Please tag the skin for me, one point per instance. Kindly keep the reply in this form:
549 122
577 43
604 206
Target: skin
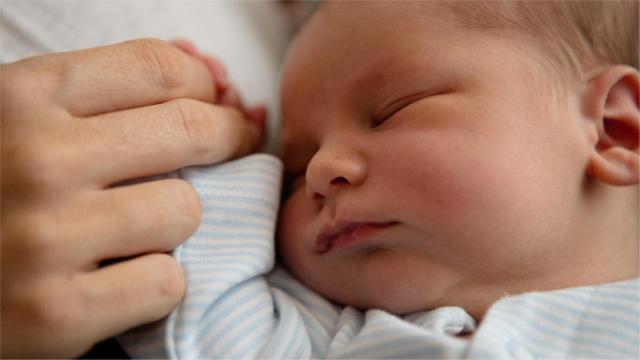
75 129
499 175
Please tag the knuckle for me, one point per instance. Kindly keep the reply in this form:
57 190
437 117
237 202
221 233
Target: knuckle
36 235
196 124
165 63
55 313
36 165
22 78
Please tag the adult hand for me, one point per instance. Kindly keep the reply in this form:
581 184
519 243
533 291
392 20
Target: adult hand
73 125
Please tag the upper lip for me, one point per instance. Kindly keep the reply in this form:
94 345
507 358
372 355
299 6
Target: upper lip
332 231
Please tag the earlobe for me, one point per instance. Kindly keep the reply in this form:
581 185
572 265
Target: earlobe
611 104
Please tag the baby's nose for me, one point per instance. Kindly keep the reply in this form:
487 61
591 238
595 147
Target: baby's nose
331 170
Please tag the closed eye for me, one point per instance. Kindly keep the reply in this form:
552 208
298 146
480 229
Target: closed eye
400 104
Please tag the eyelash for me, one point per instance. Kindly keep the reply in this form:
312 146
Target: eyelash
376 122
400 104
395 108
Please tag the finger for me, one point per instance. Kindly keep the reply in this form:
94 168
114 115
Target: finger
232 98
218 71
213 65
186 46
161 138
130 293
154 216
129 75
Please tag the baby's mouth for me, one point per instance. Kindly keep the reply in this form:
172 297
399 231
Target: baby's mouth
345 233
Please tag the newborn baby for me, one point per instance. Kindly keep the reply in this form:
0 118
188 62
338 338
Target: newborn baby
461 181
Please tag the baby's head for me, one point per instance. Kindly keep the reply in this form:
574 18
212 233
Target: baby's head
451 153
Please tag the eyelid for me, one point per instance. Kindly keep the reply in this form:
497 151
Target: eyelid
401 103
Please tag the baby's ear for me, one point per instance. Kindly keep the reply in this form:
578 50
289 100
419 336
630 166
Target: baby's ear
611 104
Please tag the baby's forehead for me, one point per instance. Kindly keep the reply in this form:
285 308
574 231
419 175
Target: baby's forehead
570 36
338 60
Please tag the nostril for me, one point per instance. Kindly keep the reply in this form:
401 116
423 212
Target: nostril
339 181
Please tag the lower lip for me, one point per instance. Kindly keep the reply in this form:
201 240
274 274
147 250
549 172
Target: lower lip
358 235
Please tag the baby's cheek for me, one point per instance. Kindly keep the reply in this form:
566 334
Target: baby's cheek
468 202
496 213
294 230
444 183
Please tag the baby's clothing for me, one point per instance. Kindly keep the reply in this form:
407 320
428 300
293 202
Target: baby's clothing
238 306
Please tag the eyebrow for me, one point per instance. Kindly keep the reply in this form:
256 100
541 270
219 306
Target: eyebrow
383 69
370 74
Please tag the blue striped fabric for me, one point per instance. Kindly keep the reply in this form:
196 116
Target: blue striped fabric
239 306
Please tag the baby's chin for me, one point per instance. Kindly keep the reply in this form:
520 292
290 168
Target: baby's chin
395 289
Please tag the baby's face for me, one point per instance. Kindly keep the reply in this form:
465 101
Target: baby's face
428 163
